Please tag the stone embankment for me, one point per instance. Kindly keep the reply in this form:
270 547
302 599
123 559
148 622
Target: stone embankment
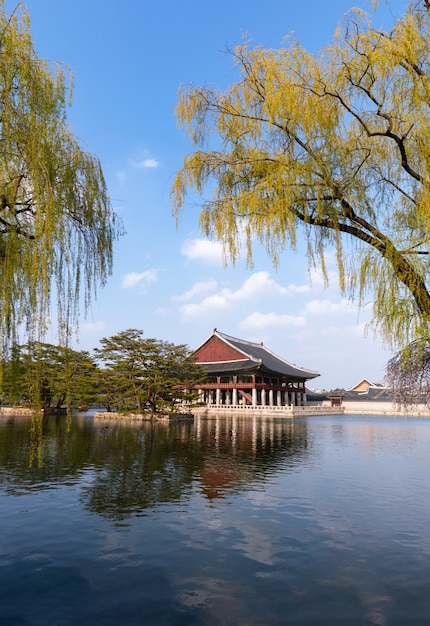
266 411
347 408
25 410
309 410
16 410
143 417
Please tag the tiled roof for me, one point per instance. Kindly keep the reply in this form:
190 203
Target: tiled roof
256 355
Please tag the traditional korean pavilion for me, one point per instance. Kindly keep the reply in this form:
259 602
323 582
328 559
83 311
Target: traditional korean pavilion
243 373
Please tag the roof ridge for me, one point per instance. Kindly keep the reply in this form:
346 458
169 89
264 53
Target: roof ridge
244 341
258 352
229 339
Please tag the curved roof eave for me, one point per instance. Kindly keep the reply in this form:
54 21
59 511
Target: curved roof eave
256 353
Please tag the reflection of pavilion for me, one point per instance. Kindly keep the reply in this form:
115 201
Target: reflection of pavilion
217 478
243 449
246 374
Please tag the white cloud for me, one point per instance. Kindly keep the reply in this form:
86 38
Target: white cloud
145 163
261 284
353 330
211 305
92 327
121 176
209 252
258 286
197 289
317 281
264 321
326 307
135 278
294 289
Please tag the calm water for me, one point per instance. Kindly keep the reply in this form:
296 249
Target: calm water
321 521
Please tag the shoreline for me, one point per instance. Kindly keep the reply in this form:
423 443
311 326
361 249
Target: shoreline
143 417
370 409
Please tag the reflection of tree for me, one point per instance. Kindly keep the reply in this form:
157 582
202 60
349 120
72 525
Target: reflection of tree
145 466
133 467
65 451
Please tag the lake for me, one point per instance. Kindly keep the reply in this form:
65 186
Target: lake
247 521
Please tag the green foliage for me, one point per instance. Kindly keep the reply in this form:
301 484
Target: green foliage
138 374
334 148
48 376
143 374
57 226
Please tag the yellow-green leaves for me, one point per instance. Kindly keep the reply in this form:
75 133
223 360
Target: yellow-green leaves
56 224
333 147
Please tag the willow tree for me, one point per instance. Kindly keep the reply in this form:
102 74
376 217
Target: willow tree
408 375
334 147
57 226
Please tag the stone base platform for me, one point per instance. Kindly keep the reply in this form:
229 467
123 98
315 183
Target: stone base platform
143 417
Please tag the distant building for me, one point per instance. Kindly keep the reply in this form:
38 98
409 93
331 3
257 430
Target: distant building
369 392
243 373
365 384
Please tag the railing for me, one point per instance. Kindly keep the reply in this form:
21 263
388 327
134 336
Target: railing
250 407
318 410
289 410
259 386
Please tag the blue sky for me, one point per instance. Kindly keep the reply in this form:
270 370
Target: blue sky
129 59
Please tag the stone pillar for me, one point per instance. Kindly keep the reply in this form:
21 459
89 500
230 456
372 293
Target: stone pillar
218 396
293 398
254 397
278 398
263 397
234 396
271 397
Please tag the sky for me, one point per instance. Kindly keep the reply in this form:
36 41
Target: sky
128 60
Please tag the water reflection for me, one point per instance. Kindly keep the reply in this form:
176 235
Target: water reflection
130 468
241 453
228 521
